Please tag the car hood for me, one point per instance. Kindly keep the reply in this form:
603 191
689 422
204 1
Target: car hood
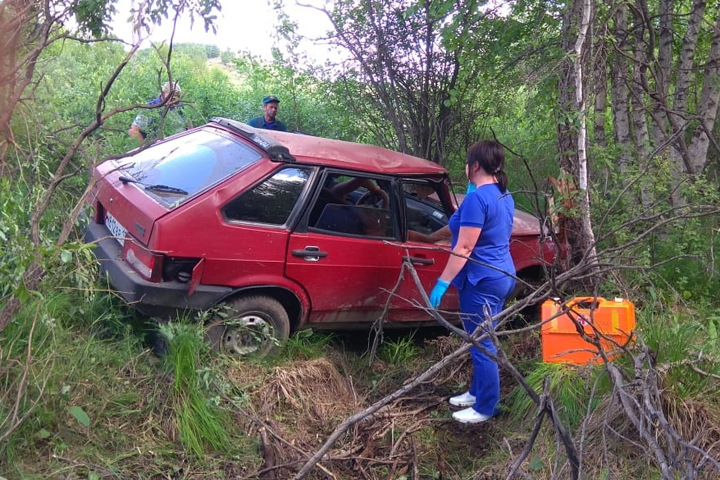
524 223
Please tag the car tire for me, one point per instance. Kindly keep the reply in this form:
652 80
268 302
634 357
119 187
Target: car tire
252 326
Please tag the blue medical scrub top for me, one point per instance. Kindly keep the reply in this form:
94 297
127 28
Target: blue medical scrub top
492 211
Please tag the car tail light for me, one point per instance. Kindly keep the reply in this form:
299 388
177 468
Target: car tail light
145 262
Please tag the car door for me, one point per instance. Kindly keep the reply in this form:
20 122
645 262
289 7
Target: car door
424 212
341 252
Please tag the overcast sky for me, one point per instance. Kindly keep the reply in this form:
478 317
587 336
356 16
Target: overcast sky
241 25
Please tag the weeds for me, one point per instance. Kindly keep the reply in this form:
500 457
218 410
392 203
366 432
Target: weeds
307 344
570 387
201 424
399 352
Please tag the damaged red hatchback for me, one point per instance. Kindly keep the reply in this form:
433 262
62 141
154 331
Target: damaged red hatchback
285 231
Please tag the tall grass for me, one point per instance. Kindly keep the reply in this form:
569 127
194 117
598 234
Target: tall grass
307 344
570 388
399 351
201 424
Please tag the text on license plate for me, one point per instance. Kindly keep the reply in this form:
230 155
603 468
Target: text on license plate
117 230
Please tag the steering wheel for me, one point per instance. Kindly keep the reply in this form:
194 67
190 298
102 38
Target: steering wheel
373 198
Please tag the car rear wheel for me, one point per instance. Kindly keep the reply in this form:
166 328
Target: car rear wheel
253 326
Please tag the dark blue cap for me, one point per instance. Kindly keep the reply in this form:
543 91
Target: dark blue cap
270 99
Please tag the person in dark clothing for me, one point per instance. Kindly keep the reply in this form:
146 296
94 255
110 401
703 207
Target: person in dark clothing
268 120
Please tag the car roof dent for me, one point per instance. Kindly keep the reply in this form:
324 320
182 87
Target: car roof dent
335 153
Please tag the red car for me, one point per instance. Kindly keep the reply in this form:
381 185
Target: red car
286 231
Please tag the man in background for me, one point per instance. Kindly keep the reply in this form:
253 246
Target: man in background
268 120
175 122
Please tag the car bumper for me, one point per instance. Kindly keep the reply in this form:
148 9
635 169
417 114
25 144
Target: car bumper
138 292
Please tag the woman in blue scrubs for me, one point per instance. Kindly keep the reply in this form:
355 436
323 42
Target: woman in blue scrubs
481 230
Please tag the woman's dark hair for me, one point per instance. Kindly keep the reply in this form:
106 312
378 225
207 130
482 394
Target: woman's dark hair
490 155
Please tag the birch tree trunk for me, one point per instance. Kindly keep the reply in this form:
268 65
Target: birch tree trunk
679 156
600 83
662 71
620 94
708 106
572 133
589 236
640 126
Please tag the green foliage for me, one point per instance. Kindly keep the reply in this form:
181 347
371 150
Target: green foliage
212 51
93 16
200 423
16 251
399 351
570 388
681 339
306 344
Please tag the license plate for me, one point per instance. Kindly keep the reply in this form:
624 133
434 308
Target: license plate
117 230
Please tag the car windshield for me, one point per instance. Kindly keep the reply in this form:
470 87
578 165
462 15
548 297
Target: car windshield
187 165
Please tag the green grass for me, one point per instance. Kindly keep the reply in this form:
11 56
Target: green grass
306 344
183 411
570 388
202 426
400 351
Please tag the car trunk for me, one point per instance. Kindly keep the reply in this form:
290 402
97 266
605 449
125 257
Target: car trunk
124 207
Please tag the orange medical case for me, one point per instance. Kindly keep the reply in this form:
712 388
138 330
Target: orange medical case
561 341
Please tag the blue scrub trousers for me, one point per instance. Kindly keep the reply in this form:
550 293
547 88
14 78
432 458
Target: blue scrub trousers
490 292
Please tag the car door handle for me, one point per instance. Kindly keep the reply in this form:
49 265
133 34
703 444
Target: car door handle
419 260
311 254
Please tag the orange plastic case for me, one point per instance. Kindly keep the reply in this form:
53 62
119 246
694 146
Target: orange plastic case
561 341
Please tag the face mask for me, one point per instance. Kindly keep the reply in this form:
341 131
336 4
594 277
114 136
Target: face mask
471 188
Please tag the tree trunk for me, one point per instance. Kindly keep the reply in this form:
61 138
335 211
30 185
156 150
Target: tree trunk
588 235
679 156
661 75
620 100
640 127
571 138
600 82
708 108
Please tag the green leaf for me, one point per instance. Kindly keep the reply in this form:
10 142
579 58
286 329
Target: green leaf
535 464
43 434
712 330
66 256
80 415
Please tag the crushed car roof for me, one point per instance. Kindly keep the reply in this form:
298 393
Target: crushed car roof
337 153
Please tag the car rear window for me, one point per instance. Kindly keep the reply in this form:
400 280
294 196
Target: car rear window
188 164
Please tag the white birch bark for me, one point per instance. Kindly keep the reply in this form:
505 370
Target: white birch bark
662 73
640 126
619 90
582 134
708 108
679 156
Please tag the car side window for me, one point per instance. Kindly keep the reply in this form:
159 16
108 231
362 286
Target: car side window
354 206
272 200
423 209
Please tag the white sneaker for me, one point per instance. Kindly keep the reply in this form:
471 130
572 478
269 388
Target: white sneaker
469 415
464 400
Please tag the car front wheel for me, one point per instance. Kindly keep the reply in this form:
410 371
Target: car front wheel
252 326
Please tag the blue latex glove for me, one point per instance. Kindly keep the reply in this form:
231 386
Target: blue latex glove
437 292
471 188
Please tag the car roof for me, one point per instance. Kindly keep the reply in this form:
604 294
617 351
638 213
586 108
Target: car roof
337 153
